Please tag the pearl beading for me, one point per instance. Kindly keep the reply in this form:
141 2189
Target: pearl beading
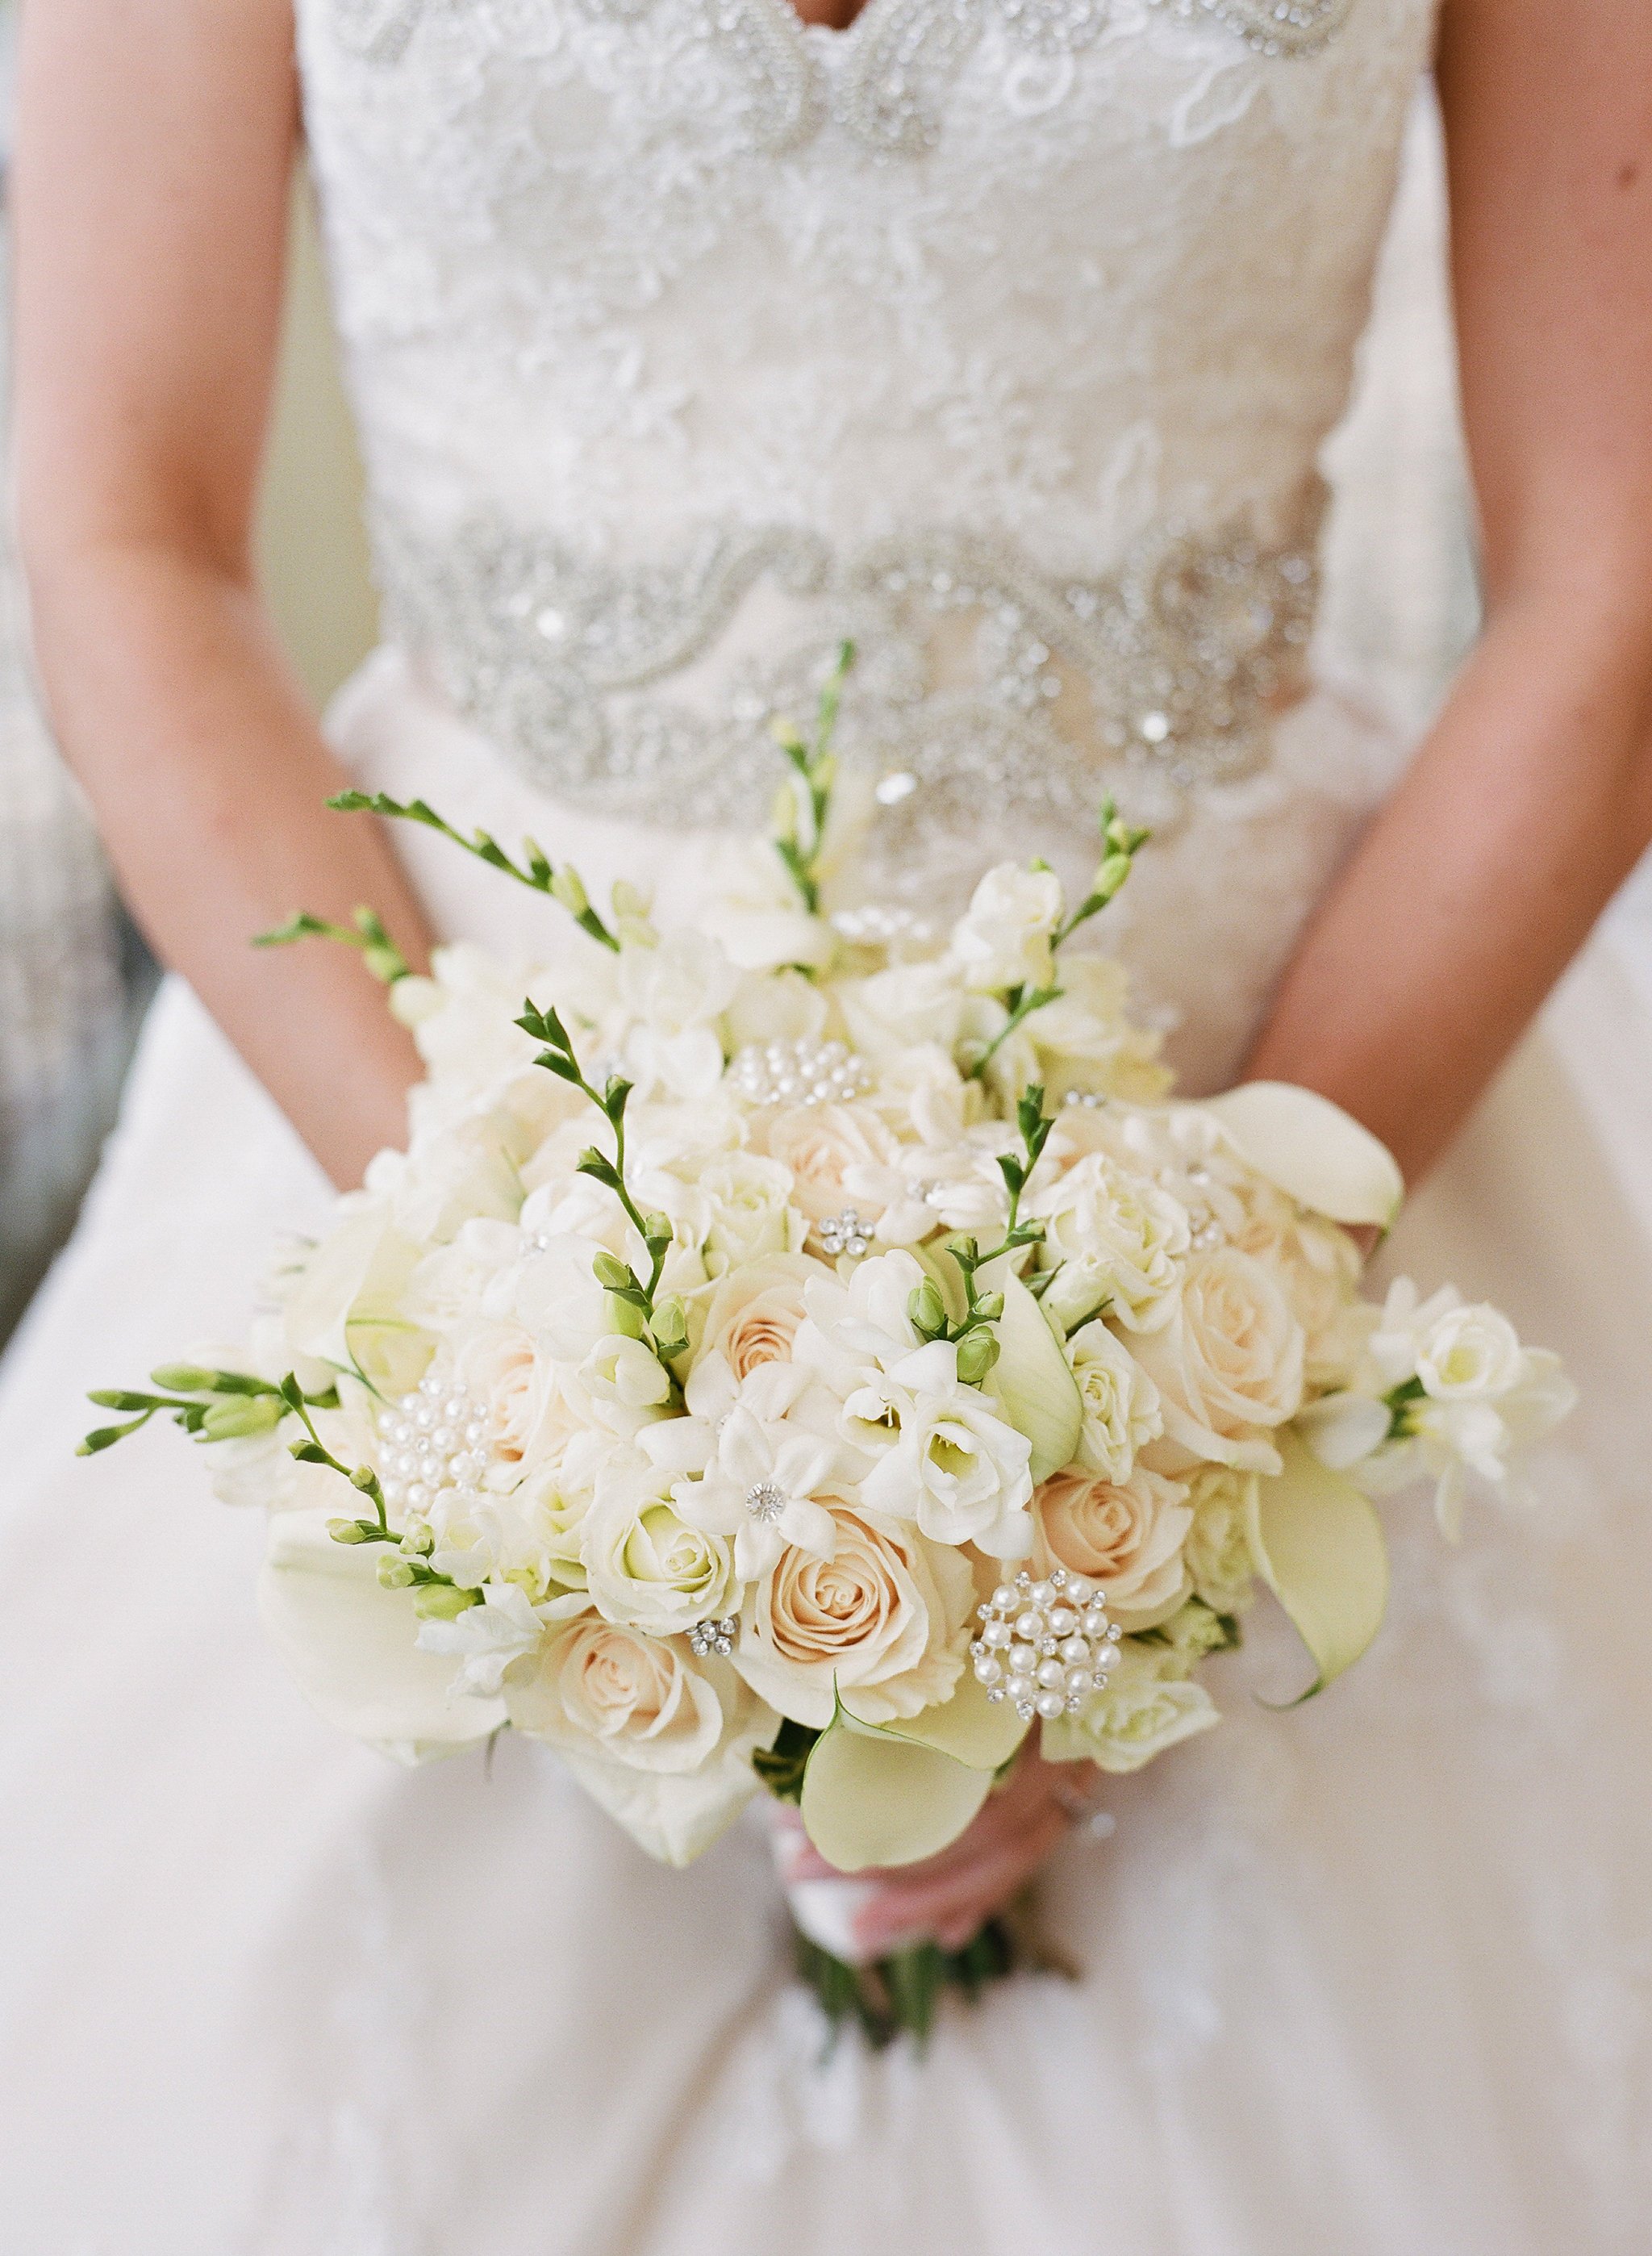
798 1073
1047 1646
434 1440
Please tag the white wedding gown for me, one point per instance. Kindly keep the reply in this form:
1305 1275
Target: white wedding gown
1004 334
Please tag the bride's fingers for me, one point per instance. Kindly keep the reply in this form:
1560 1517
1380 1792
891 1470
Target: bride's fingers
955 1904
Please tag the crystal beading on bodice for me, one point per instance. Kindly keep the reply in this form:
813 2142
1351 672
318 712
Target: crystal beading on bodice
1000 334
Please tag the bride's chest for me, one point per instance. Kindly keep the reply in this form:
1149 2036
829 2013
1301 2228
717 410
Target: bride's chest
572 130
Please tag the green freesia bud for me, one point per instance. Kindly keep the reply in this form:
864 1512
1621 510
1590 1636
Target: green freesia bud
990 1306
628 901
242 1415
608 1270
1111 874
395 1574
419 1543
927 1309
671 1325
656 1229
566 887
346 1531
977 1352
184 1378
622 1317
441 1602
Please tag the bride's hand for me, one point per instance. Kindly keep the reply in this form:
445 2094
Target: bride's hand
951 1895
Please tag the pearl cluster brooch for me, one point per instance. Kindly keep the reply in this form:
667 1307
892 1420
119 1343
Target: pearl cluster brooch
433 1440
1046 1645
798 1073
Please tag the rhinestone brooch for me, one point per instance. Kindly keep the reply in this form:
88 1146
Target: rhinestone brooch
846 1233
709 1637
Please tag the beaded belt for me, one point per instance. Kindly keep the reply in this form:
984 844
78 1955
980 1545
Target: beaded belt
1166 669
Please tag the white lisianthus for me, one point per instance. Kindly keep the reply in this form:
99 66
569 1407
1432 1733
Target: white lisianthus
1004 939
1119 1241
645 1566
1127 1536
885 1621
1148 1705
952 1464
1121 1413
663 1741
1227 1365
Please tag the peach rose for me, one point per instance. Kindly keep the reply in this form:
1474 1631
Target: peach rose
886 1619
1126 1535
839 1155
1227 1365
752 1316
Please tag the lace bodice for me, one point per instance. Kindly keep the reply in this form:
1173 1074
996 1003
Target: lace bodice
1000 334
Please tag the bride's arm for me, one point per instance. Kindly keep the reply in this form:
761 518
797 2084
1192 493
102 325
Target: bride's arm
1532 798
155 143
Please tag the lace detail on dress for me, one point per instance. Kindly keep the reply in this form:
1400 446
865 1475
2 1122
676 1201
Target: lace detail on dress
980 671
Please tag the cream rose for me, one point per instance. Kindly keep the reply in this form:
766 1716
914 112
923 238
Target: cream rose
886 1619
838 1155
753 1315
1121 1412
1228 1364
1317 1266
1127 1536
663 1742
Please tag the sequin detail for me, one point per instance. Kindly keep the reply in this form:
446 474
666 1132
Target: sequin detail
1166 667
1295 28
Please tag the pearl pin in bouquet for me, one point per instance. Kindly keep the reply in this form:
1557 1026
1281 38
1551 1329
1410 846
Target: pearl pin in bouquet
830 1365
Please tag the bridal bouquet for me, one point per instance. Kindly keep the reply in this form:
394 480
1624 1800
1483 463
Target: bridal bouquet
812 1351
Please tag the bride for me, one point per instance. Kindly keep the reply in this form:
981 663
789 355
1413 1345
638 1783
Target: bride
685 336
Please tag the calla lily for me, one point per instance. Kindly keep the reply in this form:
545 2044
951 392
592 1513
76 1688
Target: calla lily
352 1647
1312 1150
1319 1546
896 1793
1032 1380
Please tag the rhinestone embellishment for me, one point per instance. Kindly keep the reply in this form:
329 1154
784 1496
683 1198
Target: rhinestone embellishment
1046 1647
1169 665
708 1639
846 1233
765 1503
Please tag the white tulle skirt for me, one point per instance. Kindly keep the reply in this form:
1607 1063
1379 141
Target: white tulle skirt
1369 1977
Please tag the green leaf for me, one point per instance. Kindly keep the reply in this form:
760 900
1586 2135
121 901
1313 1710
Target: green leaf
781 1767
1319 1546
1312 1150
1032 1381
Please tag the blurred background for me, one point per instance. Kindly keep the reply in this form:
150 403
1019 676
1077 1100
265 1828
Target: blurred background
74 977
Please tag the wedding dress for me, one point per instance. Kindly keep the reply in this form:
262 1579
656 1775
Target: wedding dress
1004 334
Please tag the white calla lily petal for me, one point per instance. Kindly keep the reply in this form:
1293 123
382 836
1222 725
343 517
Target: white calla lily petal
1312 1150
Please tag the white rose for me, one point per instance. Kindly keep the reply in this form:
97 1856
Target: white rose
663 1742
646 1567
1229 1363
1127 1536
885 1619
954 1466
748 1213
840 1156
1121 1412
1145 1708
514 1389
1004 938
1115 1237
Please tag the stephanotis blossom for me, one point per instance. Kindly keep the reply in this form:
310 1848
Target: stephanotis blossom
763 1477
